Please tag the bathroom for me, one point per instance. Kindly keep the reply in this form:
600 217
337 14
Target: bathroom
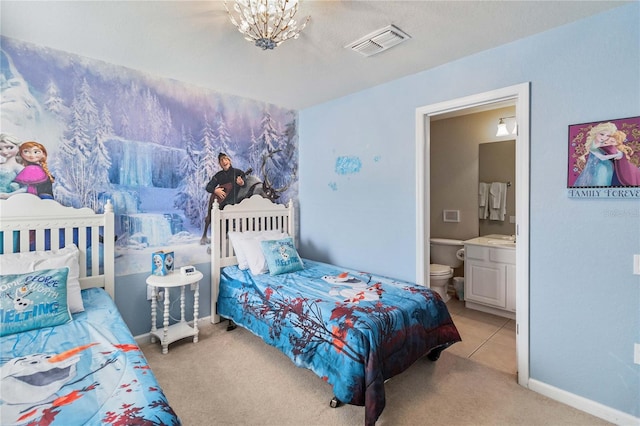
464 151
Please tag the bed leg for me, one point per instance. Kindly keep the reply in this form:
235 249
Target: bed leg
335 402
434 354
231 326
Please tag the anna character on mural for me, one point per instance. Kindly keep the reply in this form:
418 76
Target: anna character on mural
9 166
626 172
35 175
598 169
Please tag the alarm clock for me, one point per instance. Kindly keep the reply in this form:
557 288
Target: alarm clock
187 270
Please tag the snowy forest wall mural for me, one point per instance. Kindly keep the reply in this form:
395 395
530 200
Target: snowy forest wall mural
148 144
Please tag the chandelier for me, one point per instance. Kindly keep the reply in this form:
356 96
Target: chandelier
267 23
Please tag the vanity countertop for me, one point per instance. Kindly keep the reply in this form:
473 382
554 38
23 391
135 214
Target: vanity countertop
494 240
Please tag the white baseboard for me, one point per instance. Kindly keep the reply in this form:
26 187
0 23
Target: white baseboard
143 339
583 404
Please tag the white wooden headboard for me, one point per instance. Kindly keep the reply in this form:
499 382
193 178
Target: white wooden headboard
251 214
30 223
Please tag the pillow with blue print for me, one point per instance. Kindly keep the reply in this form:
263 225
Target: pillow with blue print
16 263
281 256
33 300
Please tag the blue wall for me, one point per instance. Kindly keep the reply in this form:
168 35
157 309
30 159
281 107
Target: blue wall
584 300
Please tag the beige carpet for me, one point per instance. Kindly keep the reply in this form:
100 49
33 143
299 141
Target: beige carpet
234 378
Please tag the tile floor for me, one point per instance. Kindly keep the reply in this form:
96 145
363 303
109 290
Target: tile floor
486 338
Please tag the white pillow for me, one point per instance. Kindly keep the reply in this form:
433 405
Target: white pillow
242 249
18 263
235 238
255 258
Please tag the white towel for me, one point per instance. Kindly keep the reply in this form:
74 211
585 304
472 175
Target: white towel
503 203
483 200
497 201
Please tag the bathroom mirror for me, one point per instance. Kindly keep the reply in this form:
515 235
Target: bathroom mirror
497 163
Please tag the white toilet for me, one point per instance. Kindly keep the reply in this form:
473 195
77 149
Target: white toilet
446 254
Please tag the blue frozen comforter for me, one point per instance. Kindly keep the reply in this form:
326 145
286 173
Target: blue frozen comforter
87 371
353 329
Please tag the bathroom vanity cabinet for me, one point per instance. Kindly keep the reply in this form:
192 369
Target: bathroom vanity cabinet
490 275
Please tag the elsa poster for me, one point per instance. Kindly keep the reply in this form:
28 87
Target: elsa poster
605 154
82 131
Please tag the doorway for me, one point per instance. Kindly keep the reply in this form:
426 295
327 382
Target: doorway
518 96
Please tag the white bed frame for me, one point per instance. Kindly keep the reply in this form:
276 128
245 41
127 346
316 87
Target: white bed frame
24 213
251 214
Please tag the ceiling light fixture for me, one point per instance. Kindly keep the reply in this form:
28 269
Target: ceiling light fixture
502 127
267 23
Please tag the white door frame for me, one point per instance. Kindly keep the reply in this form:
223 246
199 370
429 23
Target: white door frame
519 94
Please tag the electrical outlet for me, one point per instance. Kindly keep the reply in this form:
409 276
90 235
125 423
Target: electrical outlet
636 353
159 294
193 286
636 264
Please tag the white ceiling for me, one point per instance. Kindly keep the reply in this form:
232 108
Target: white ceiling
194 42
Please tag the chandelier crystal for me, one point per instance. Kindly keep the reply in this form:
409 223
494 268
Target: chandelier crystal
267 23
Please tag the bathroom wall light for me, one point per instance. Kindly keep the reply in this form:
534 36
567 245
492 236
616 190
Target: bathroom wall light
502 127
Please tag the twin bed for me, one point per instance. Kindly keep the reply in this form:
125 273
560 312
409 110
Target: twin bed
66 355
354 329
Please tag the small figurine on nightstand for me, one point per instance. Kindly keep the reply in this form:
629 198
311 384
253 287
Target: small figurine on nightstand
168 262
162 263
158 265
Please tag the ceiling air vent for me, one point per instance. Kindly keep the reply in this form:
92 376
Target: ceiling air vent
379 41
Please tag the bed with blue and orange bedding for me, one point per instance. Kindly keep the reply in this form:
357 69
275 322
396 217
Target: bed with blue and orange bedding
86 371
353 329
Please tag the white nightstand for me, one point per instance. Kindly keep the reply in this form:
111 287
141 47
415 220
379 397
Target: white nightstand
179 330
